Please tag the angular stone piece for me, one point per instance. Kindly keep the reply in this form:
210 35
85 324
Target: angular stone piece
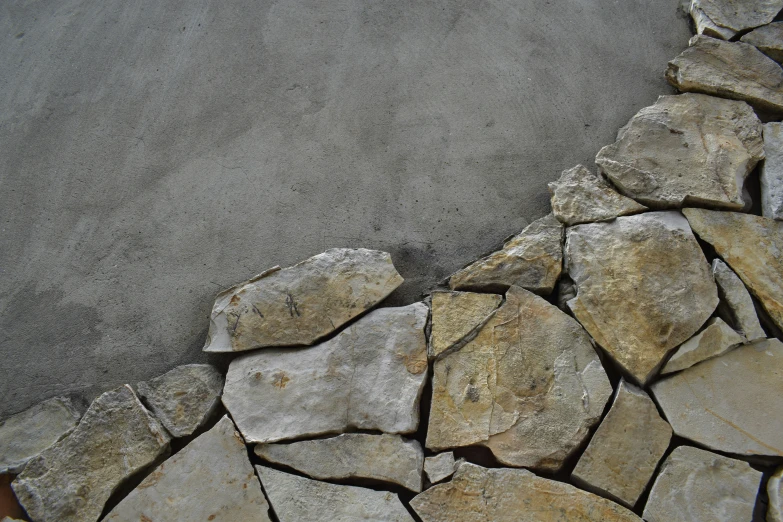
440 467
736 306
531 260
768 39
643 286
370 376
183 398
210 479
72 480
716 339
752 246
739 15
456 315
732 70
300 304
26 434
528 387
579 196
699 486
388 458
298 499
772 172
705 25
728 403
775 494
685 149
624 452
477 494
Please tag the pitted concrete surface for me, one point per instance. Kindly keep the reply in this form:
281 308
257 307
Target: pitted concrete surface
156 152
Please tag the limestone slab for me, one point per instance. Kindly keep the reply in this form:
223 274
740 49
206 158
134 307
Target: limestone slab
775 495
768 39
457 315
771 173
705 25
439 467
736 306
716 338
739 15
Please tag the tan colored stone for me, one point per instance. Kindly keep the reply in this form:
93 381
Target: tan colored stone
458 315
736 306
768 39
705 25
717 338
739 15
771 174
439 467
775 495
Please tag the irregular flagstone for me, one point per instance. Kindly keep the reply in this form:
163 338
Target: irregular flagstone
72 480
688 148
705 25
370 376
298 499
183 398
739 15
775 494
716 339
728 403
211 479
388 458
643 286
440 467
733 70
768 39
700 486
455 315
624 452
528 387
579 196
26 434
531 260
752 246
300 304
772 172
736 305
477 494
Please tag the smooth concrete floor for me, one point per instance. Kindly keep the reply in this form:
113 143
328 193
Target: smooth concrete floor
155 152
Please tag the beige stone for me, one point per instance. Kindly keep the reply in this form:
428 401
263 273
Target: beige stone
705 25
440 467
456 316
739 15
775 495
771 174
768 39
717 338
736 306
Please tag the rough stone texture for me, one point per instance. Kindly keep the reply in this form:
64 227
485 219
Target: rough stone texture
211 479
439 467
752 246
298 499
699 486
370 376
717 338
300 304
388 458
512 495
736 306
531 260
775 495
455 315
739 15
727 403
26 434
686 149
772 172
183 398
528 387
705 25
768 39
579 196
624 452
72 480
643 286
733 70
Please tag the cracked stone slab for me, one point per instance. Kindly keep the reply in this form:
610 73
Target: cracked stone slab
369 376
210 479
528 387
300 304
440 467
716 339
736 306
771 174
705 25
387 458
643 286
739 15
768 39
775 494
456 316
686 149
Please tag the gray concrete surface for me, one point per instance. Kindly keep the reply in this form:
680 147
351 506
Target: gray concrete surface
155 152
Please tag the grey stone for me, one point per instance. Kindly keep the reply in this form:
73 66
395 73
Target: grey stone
456 316
768 39
775 495
739 15
736 306
715 339
440 467
772 172
705 25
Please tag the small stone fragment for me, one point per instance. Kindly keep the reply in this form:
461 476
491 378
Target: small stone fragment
739 15
440 467
768 39
72 480
699 486
686 149
26 434
210 479
728 403
300 304
477 494
531 260
716 339
298 499
772 172
456 315
184 398
775 494
705 25
387 458
736 306
624 452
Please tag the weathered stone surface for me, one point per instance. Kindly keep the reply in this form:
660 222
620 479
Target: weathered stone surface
686 149
388 458
211 479
739 15
772 172
643 286
699 486
775 494
736 306
529 386
72 480
183 398
733 70
752 246
477 494
298 499
768 39
624 452
717 338
370 376
579 196
705 25
457 315
27 434
531 260
728 403
300 304
440 467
